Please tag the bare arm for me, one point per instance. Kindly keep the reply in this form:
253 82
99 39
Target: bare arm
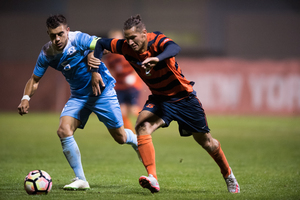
30 88
92 61
93 65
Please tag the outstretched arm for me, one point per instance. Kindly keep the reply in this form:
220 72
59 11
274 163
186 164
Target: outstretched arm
30 88
103 46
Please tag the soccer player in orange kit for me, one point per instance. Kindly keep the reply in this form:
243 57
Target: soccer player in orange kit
152 55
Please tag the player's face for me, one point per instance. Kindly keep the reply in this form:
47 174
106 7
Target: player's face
59 37
136 39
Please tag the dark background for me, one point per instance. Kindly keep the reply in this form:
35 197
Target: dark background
250 30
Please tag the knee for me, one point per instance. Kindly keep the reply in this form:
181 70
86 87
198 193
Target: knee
64 132
210 145
143 128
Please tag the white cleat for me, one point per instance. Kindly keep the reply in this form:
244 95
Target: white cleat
77 184
232 184
150 183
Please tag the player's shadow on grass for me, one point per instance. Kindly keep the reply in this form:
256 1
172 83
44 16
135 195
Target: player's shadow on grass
122 189
184 191
92 187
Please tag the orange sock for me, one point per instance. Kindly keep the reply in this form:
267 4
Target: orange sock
147 153
219 157
127 122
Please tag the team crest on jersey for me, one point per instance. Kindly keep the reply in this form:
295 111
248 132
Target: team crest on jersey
71 50
150 105
66 66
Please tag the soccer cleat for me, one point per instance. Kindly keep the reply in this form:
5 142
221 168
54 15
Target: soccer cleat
150 183
77 184
232 184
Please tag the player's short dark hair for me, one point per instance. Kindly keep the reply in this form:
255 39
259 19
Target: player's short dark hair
134 21
55 20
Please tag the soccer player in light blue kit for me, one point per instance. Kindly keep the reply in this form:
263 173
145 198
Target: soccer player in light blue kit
67 52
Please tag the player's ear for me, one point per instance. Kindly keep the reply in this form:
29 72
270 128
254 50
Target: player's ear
144 32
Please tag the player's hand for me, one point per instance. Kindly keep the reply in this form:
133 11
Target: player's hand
92 61
150 62
96 82
23 107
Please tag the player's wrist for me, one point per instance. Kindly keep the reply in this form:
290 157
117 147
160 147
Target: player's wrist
25 97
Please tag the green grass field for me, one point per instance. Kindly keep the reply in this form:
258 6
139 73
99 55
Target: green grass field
264 153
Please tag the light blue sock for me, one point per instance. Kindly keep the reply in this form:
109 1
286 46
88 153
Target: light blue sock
72 153
131 139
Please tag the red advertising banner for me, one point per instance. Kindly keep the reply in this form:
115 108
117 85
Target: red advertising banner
235 86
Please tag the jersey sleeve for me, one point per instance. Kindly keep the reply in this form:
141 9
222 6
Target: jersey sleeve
116 45
102 44
85 41
41 65
171 49
168 47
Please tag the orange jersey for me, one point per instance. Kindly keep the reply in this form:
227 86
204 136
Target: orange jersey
122 71
166 78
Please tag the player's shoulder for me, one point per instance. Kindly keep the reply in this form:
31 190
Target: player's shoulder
48 50
157 38
73 35
155 34
78 35
78 38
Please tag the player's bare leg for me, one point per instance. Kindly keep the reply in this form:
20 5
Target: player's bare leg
213 147
118 134
125 136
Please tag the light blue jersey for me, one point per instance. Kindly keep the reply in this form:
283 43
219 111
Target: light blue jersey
72 63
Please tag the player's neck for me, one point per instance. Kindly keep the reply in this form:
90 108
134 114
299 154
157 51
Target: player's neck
144 48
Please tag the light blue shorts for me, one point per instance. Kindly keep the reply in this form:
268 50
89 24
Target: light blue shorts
105 106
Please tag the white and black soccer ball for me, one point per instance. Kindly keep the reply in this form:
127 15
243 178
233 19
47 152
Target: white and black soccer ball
38 182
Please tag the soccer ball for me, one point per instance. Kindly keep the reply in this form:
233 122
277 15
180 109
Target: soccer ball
38 182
